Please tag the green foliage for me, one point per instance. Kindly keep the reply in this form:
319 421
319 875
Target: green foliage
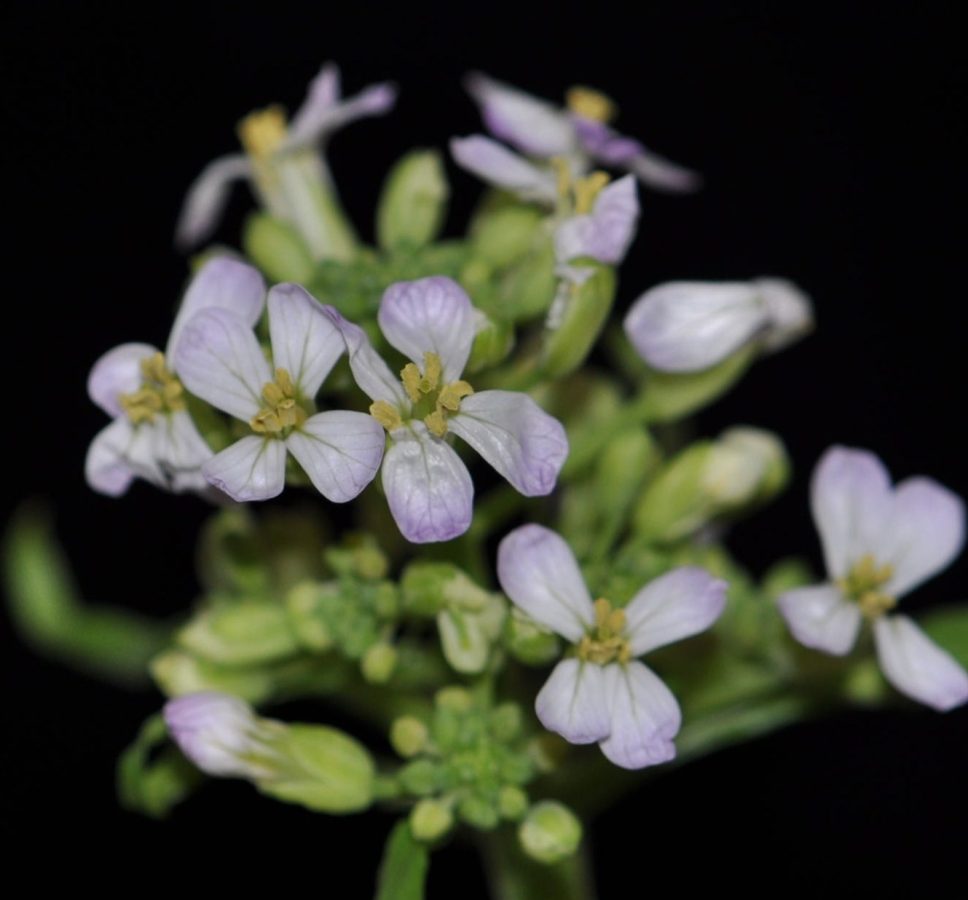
403 871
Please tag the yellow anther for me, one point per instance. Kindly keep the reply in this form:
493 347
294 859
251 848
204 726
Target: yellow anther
282 411
160 392
563 175
606 642
262 132
451 395
433 369
386 415
863 584
590 104
587 189
436 423
874 604
411 378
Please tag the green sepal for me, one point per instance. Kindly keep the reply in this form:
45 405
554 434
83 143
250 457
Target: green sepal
526 290
277 249
503 236
241 634
413 201
403 870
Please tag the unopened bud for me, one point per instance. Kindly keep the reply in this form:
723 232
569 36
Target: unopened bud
413 201
431 819
378 663
550 832
408 735
276 248
528 641
243 633
502 236
512 802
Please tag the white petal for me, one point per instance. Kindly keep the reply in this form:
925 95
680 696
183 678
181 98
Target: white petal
253 468
369 370
305 342
606 233
105 467
182 450
117 372
340 452
321 98
850 496
789 309
687 326
574 703
206 198
819 617
495 164
674 606
516 436
644 717
917 666
430 315
219 359
222 283
428 488
539 573
661 173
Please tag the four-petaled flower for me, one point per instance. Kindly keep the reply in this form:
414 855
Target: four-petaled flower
879 543
221 361
602 692
432 322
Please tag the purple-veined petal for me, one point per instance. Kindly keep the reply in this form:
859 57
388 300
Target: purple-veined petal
305 342
539 573
253 468
222 283
789 310
850 497
498 166
534 126
105 467
687 326
516 436
673 606
430 315
917 666
574 703
604 234
820 618
181 450
369 370
645 717
428 488
219 359
340 451
207 197
117 372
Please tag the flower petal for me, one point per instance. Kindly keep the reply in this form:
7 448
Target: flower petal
574 702
917 666
206 198
428 488
182 451
369 370
430 314
340 451
850 496
645 717
820 618
219 359
117 372
687 326
606 233
673 606
253 468
105 467
495 164
789 310
539 573
516 436
305 342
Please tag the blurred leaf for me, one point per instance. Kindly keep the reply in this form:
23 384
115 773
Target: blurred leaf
949 627
403 870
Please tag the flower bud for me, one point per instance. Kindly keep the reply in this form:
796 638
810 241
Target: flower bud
528 641
550 832
512 802
408 735
478 811
239 634
502 236
492 344
747 465
378 663
177 672
431 819
413 201
527 289
277 249
304 603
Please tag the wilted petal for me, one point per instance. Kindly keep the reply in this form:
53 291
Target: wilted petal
645 717
495 164
369 370
207 197
428 488
789 310
673 606
117 372
819 617
219 359
525 444
917 666
573 702
340 451
305 342
539 573
687 326
253 468
430 314
606 233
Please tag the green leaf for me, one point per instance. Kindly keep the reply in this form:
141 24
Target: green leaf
949 627
403 870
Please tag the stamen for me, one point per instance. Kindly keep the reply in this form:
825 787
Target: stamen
590 104
386 415
262 132
563 175
587 189
160 392
606 643
863 584
281 412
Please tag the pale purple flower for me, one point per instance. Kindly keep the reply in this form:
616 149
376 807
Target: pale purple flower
221 361
602 693
432 322
687 326
152 436
879 543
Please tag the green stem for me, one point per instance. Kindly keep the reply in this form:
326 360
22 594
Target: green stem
513 876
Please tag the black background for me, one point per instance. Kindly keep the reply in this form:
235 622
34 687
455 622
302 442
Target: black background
834 143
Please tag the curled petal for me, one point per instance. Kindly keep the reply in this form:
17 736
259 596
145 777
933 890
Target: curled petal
117 372
181 450
606 233
369 370
917 666
105 467
253 468
789 310
207 197
574 702
539 573
819 617
518 438
495 164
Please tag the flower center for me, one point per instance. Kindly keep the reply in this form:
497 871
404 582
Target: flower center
281 412
863 584
160 392
590 104
605 643
262 132
576 195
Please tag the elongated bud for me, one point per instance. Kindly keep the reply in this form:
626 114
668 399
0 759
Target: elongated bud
527 289
277 249
550 832
177 672
492 343
413 201
431 819
748 465
503 236
243 633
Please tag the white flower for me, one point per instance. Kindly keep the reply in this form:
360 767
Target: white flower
152 435
879 543
221 361
603 693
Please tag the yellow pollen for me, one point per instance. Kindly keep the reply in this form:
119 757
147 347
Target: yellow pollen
606 642
262 132
432 401
863 584
587 189
160 392
563 175
386 415
590 104
282 412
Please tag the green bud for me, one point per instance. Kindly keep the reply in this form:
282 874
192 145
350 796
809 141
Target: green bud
467 636
751 465
455 699
505 721
864 684
422 585
512 803
420 777
276 248
502 236
303 603
526 290
492 344
177 672
378 663
431 819
477 811
413 201
550 832
409 736
358 555
527 641
675 504
244 633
